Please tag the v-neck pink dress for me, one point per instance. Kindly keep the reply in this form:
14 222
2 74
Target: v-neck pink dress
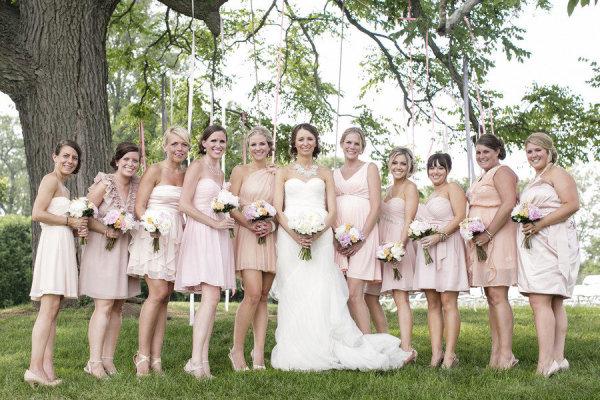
352 198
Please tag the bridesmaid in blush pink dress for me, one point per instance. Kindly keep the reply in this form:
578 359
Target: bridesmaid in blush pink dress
159 190
443 279
358 198
548 270
206 262
55 268
492 198
255 262
103 273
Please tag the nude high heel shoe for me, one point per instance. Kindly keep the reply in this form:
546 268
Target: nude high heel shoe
255 365
138 359
33 379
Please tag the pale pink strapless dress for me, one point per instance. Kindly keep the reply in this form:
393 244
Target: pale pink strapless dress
143 260
552 264
448 272
259 185
352 198
55 268
206 254
500 268
391 224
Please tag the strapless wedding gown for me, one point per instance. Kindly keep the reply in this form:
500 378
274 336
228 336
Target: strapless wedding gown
315 331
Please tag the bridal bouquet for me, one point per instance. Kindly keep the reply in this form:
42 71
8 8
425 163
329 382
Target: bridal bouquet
225 202
391 253
82 207
468 228
306 223
119 221
156 221
525 213
259 211
347 235
418 230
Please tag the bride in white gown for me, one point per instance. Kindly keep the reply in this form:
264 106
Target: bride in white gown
314 328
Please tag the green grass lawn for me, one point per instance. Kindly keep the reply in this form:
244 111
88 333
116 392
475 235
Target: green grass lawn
471 380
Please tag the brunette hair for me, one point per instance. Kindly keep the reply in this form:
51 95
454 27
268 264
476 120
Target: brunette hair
261 130
72 144
441 159
494 143
403 151
122 149
307 127
545 142
209 130
359 132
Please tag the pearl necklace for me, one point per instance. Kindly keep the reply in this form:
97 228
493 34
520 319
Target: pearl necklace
306 172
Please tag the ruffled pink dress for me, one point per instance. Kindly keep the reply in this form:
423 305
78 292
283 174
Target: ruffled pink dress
391 224
143 260
55 268
206 253
500 268
103 273
352 198
552 264
259 185
448 272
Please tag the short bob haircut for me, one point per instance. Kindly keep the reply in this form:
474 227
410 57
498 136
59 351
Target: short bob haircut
122 149
206 133
440 159
403 151
72 144
307 127
493 142
177 131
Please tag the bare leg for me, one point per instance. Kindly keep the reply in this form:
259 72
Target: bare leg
159 331
376 312
261 320
451 325
493 323
498 298
545 326
43 334
202 329
356 304
98 326
252 280
112 336
560 332
436 325
405 318
49 352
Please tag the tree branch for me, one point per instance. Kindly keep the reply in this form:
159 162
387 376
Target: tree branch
206 10
456 16
258 27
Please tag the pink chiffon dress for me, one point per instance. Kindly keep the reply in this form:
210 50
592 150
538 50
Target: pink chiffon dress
55 268
391 224
552 264
162 264
500 268
206 253
448 272
103 273
352 198
259 185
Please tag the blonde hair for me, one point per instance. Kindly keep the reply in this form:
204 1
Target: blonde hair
182 133
545 142
410 159
261 130
359 132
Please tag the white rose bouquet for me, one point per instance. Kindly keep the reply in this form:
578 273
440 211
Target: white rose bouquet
418 230
82 207
225 202
391 253
156 221
306 223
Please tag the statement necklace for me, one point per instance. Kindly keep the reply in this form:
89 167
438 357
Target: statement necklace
216 171
306 172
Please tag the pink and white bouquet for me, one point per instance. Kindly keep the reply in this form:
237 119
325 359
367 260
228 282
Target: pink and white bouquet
391 253
259 210
306 223
156 222
348 234
469 227
119 221
524 213
82 207
418 230
225 202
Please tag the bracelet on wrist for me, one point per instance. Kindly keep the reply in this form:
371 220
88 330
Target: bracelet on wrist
489 234
443 236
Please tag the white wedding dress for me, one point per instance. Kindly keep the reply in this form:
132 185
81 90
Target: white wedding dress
315 331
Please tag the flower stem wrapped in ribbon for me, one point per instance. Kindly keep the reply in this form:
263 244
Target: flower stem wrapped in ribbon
82 207
525 213
259 211
392 254
156 222
306 223
418 230
119 221
347 235
469 227
225 202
